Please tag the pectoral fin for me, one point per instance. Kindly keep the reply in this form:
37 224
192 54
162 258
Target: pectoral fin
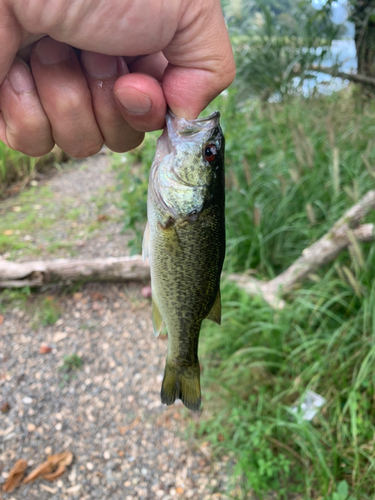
146 242
157 320
215 313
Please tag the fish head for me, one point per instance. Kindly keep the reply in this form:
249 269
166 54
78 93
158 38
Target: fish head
189 164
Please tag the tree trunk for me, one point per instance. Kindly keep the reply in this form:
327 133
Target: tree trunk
364 21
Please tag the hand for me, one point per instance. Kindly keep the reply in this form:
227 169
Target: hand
176 54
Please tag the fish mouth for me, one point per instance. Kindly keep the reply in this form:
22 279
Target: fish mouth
184 127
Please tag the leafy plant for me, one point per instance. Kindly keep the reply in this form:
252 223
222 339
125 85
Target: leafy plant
48 312
276 44
71 362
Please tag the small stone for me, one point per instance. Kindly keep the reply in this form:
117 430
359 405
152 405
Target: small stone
106 455
48 450
146 292
27 400
31 427
89 466
59 483
144 471
4 407
58 426
73 489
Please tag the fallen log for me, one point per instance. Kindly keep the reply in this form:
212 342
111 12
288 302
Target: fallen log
39 273
345 232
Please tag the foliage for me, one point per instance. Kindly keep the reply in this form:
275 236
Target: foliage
14 298
14 166
71 362
276 42
47 312
292 170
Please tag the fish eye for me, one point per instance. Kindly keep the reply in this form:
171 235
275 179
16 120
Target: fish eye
210 152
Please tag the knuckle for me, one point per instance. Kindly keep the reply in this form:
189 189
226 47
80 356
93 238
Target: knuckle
82 151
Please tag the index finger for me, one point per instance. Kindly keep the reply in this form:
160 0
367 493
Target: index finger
10 39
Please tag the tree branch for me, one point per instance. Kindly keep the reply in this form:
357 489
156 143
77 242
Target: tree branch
38 273
354 77
343 233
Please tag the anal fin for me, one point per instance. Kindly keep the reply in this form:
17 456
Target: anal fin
215 313
157 320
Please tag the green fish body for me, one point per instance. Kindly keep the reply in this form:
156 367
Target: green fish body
185 243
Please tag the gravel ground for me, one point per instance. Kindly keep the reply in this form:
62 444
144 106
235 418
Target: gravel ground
126 444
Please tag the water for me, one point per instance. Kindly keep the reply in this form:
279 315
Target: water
341 53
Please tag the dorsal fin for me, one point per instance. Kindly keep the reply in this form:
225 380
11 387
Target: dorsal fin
215 313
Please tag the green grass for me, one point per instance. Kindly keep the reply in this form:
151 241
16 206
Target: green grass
72 363
292 169
14 166
32 213
47 312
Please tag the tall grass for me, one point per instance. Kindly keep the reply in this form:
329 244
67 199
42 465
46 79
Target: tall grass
293 169
14 166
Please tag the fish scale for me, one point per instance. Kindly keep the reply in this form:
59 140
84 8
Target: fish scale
185 242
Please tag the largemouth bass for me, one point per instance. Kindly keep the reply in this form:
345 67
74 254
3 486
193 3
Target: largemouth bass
185 242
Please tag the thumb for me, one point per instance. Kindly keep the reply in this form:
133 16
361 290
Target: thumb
201 63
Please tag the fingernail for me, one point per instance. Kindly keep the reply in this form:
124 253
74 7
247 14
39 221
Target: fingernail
99 65
20 77
49 51
134 101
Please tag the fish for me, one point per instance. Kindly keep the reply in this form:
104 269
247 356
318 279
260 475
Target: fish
184 240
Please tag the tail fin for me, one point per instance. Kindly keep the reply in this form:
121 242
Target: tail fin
181 383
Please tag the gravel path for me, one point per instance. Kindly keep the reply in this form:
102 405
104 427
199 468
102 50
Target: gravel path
126 444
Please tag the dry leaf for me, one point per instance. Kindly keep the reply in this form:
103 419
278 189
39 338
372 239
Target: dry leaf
124 430
8 232
179 490
1 319
96 296
44 468
53 468
45 349
65 458
102 217
54 475
15 476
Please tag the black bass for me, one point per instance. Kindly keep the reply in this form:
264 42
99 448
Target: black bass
185 242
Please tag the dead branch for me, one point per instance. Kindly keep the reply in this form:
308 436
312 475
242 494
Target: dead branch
38 273
354 77
346 231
